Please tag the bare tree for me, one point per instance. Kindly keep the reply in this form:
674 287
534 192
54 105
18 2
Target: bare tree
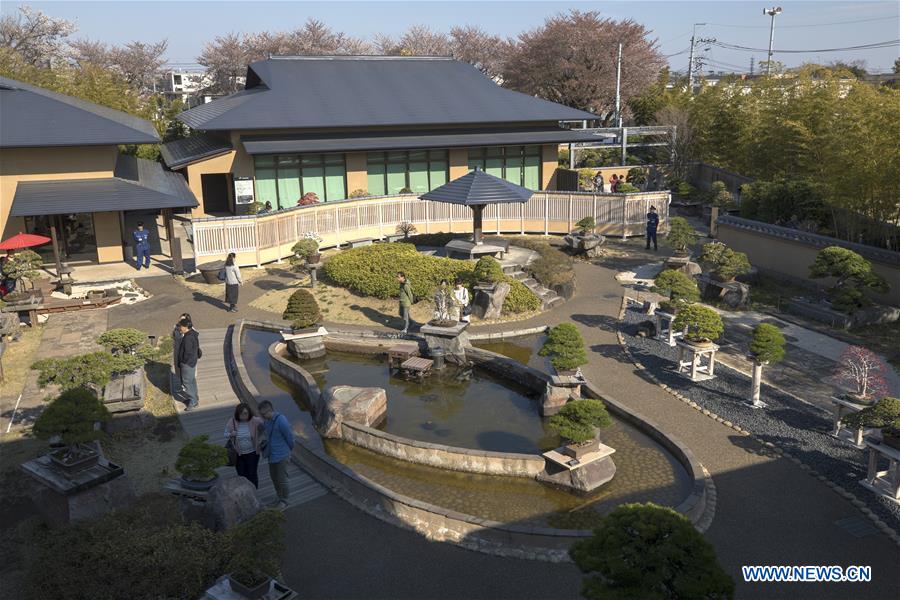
38 38
317 39
484 51
418 40
85 51
226 59
571 59
140 63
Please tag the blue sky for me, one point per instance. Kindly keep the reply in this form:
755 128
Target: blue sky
802 25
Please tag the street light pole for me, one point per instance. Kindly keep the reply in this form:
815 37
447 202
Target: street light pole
771 12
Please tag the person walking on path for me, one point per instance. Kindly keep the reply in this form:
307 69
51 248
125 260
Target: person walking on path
599 183
242 435
613 183
176 345
278 450
652 225
141 246
461 296
233 282
188 354
406 299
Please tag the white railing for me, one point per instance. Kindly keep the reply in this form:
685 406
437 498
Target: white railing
264 238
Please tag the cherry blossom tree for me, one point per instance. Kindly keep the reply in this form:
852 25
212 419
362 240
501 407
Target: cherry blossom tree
863 372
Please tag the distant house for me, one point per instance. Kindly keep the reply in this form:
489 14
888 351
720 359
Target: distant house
337 125
60 167
191 86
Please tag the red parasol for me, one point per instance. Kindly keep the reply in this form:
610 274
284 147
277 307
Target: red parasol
23 240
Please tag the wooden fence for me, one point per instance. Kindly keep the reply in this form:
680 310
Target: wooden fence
259 239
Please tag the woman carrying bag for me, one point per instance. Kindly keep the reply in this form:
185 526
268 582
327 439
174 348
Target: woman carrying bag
242 440
461 297
231 275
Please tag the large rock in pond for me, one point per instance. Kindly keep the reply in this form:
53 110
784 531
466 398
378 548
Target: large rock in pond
363 405
232 501
307 347
488 302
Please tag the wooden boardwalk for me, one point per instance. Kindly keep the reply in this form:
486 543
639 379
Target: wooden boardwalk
217 402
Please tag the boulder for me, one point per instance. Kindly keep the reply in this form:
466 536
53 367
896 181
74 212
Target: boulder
307 347
554 398
363 405
684 264
564 290
488 302
875 315
645 329
736 294
231 502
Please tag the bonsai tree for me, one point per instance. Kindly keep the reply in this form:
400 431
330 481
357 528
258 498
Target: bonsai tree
198 459
681 289
488 270
578 420
22 265
863 372
626 188
91 370
72 417
405 190
854 276
359 193
636 177
308 198
766 348
302 250
565 347
302 310
649 551
586 225
256 548
726 263
700 323
124 339
719 194
884 413
406 229
681 235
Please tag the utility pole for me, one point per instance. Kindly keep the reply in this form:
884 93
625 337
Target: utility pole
691 58
771 12
751 66
619 88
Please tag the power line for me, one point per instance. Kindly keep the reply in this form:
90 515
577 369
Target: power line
885 44
804 26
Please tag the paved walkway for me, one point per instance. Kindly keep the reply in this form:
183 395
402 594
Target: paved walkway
217 402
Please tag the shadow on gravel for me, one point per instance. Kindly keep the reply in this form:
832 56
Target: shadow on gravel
603 322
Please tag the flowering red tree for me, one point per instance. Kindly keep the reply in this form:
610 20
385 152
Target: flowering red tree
307 199
863 371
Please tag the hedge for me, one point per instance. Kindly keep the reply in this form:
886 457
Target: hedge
372 271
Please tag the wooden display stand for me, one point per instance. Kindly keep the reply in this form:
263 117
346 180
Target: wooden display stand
691 360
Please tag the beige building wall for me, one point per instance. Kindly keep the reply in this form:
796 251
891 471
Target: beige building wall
459 162
549 163
108 231
224 163
48 164
357 172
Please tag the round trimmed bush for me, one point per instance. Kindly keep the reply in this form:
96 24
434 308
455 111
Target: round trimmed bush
883 414
578 420
488 269
680 288
565 347
767 344
302 310
125 339
702 323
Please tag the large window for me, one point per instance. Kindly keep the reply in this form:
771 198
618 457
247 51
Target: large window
283 179
417 170
519 164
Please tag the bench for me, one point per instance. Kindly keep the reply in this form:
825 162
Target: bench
416 366
125 392
360 242
400 353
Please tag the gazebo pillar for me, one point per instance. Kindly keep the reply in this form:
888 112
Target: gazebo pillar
476 222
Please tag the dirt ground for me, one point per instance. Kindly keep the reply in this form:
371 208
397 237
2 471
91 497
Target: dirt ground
17 361
195 282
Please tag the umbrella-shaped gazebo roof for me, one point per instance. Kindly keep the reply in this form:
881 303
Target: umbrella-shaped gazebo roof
23 240
478 188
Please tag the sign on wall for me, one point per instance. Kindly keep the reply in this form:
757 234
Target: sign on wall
243 190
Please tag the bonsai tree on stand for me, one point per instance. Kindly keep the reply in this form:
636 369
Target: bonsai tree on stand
681 289
488 270
198 460
72 417
766 347
885 415
256 548
854 276
123 340
586 225
305 251
578 421
726 263
302 310
21 266
864 372
701 324
565 347
681 235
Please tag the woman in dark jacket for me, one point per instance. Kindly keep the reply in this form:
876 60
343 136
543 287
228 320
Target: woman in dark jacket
176 343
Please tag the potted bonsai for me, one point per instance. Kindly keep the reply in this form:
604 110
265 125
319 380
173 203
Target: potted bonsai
302 311
488 272
885 414
122 340
197 462
681 235
701 324
308 199
565 347
305 252
586 226
405 229
726 264
72 417
21 266
577 422
681 290
863 373
766 347
256 548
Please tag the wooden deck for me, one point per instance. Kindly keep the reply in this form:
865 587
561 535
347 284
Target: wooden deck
217 402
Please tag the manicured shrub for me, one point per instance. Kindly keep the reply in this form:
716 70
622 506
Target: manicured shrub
854 276
124 339
578 420
719 195
434 239
565 347
882 414
725 262
488 270
681 235
684 190
22 265
586 225
767 344
552 267
84 370
649 551
143 552
405 190
519 299
257 544
626 188
359 193
302 310
680 289
72 416
305 247
198 459
702 323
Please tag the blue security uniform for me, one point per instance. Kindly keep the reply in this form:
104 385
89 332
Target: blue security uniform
142 247
652 224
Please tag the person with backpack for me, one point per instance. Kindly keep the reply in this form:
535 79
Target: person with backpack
278 450
406 299
242 439
189 353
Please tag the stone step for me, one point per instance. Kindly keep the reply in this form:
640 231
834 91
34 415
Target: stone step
519 275
553 302
530 283
510 269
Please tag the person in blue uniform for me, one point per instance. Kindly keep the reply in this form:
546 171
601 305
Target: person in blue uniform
142 245
652 224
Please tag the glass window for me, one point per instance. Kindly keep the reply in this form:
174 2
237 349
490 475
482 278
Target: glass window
514 169
396 177
314 181
288 181
493 165
334 182
417 170
376 178
266 189
283 179
437 173
418 177
532 173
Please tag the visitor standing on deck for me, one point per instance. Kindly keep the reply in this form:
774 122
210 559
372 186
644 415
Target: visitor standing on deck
141 246
242 435
278 450
406 299
652 225
233 282
188 354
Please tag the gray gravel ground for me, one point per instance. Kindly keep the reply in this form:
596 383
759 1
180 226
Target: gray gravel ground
798 428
